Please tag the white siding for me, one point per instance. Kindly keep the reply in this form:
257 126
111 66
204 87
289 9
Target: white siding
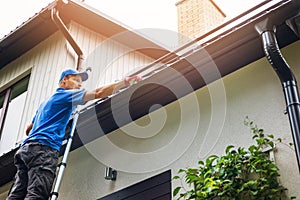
109 60
46 61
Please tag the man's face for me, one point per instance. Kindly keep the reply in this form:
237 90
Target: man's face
71 82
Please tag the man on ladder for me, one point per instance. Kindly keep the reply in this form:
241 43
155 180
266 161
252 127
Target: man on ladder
37 158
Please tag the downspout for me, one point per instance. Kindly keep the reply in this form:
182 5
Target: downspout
287 78
61 26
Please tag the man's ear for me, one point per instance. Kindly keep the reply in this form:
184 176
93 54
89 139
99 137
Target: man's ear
63 81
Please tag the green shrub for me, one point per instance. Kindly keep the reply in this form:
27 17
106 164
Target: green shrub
240 174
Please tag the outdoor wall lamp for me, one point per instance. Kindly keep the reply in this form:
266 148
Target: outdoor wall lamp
110 174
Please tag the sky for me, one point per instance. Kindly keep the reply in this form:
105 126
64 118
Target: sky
136 14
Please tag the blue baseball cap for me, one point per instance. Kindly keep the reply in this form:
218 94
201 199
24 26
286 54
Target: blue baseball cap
67 72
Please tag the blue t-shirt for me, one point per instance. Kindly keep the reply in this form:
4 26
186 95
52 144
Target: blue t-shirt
52 117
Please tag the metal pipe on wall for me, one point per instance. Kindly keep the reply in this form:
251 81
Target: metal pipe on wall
287 78
61 26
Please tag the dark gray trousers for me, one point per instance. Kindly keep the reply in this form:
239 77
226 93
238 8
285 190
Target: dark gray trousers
36 167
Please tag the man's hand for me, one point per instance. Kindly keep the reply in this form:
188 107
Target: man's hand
131 80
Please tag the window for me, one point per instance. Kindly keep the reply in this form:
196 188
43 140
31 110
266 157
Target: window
12 102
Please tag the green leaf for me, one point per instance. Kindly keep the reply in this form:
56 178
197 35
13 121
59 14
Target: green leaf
271 144
279 139
200 162
252 148
254 136
254 193
210 160
259 141
228 148
176 190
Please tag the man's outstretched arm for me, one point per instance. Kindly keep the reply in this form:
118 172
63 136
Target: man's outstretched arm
107 90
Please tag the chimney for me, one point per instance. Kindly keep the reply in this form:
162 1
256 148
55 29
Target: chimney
196 17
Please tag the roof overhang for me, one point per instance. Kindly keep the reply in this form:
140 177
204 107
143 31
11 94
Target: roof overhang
230 47
40 26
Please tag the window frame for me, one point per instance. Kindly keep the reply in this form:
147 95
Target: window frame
7 93
4 108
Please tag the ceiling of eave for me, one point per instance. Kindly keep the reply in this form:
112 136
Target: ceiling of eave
108 27
26 36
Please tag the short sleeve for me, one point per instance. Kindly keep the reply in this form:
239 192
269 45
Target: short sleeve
67 97
77 97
